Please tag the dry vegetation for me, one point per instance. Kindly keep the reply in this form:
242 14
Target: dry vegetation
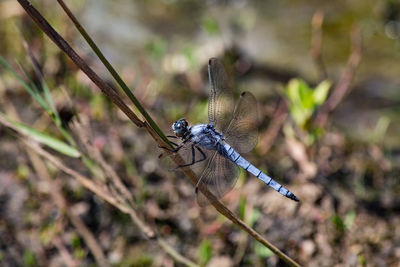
104 200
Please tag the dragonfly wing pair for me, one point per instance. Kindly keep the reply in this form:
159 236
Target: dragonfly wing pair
213 150
237 124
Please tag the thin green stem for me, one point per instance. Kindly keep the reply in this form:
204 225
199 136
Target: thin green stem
115 98
113 72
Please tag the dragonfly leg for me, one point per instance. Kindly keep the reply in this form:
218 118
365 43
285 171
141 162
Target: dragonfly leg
194 161
202 153
175 150
175 144
166 148
198 182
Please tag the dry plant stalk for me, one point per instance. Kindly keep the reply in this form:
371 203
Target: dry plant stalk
114 97
316 44
278 119
343 86
101 190
59 200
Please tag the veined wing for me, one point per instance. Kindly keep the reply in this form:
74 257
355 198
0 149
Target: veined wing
216 172
242 132
219 176
191 157
220 104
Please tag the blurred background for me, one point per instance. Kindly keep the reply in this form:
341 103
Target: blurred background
345 170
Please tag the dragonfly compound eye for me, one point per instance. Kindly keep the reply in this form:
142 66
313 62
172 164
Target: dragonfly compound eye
180 127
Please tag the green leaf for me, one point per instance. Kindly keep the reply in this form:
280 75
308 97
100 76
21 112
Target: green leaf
349 219
304 100
76 241
210 26
242 207
321 92
338 222
292 91
254 216
46 139
301 102
29 258
204 251
32 91
157 48
361 260
305 93
50 101
379 132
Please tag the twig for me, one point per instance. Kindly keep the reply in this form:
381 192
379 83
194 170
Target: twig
63 45
58 198
347 77
271 133
83 131
62 205
316 43
113 72
99 189
64 252
89 238
86 182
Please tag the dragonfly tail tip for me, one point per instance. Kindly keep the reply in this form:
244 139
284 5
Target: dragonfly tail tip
292 197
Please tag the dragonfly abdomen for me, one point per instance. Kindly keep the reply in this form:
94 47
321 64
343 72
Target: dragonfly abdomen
234 156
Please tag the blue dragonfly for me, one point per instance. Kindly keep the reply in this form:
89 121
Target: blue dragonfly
213 150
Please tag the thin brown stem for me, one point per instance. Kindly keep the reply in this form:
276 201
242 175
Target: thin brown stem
63 45
101 192
316 43
82 129
69 260
343 86
58 198
66 48
277 121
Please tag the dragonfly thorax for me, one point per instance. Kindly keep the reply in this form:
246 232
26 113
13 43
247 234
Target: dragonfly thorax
180 127
205 136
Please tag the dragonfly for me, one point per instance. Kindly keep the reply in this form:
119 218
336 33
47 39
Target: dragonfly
213 150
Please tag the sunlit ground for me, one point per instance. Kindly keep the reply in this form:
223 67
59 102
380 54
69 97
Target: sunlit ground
345 174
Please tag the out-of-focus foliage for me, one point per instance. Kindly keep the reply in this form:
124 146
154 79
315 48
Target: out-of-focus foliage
346 174
304 100
205 252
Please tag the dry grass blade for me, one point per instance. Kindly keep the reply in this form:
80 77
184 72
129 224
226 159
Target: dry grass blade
63 45
82 129
102 192
58 198
113 72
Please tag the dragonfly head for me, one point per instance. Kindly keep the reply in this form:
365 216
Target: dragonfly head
180 127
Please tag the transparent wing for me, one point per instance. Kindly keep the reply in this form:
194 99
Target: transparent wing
220 104
190 155
216 172
242 132
219 176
